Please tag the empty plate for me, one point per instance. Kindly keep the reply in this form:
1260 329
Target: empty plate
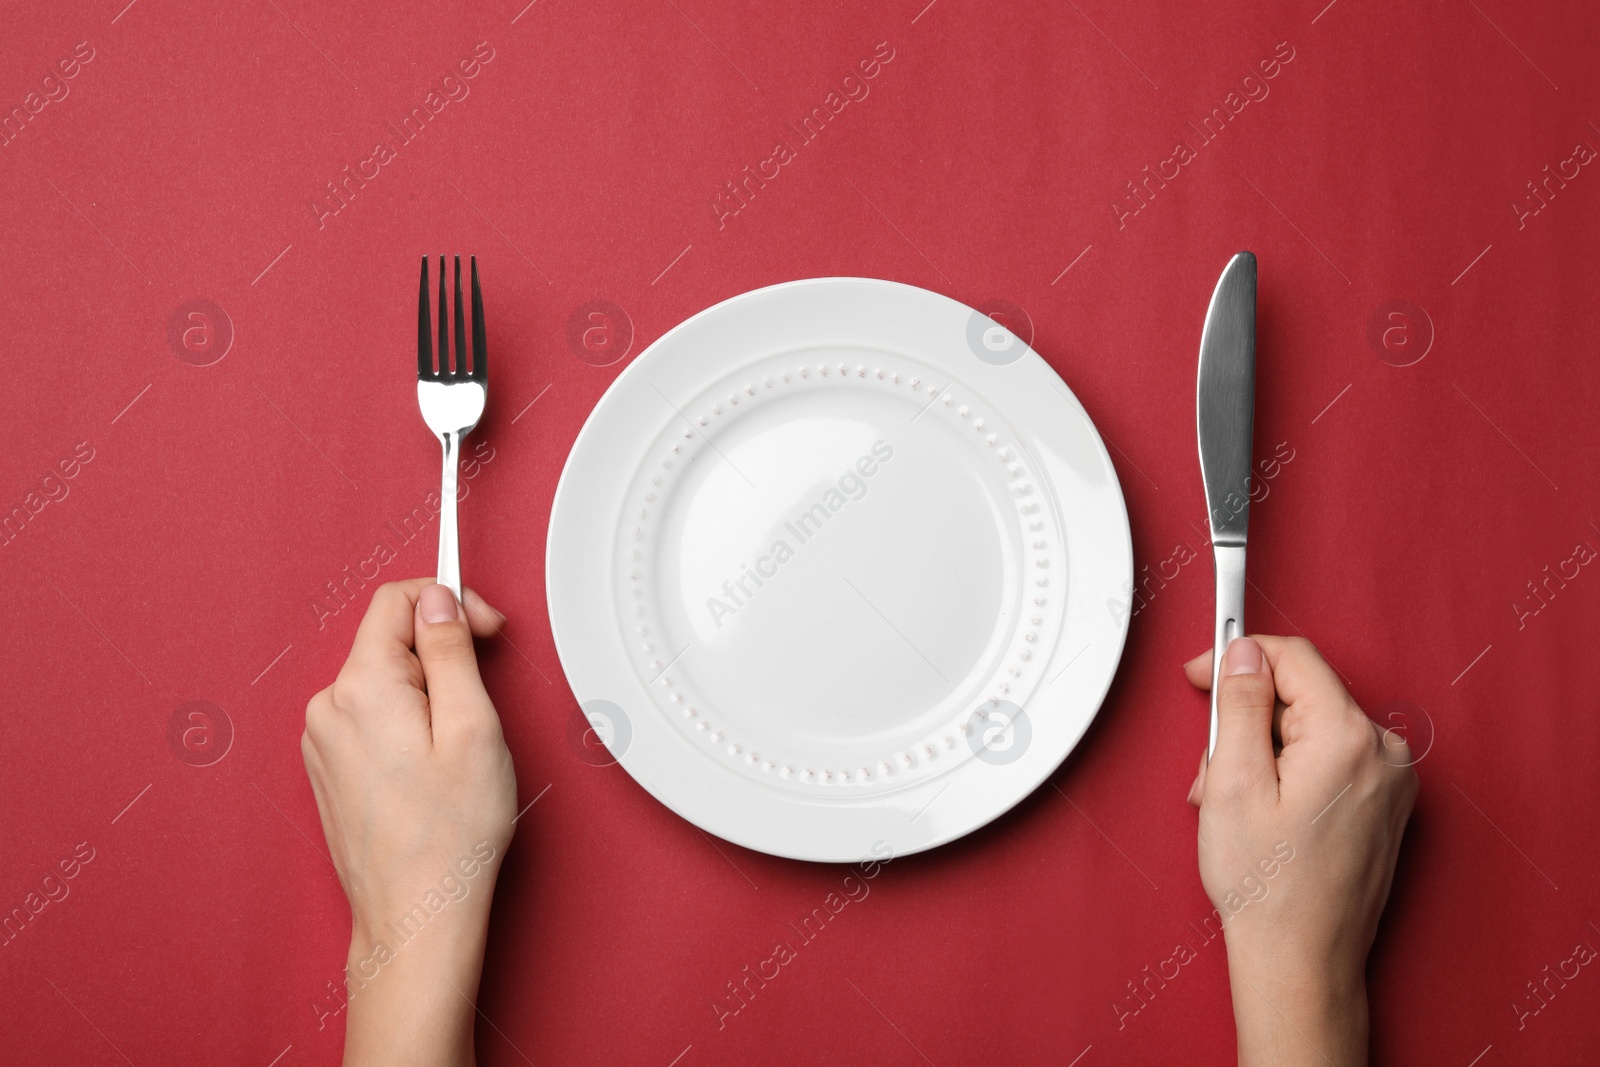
839 569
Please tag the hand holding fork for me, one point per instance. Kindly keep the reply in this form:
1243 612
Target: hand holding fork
452 400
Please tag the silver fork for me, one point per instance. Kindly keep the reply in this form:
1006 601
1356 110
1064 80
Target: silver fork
452 401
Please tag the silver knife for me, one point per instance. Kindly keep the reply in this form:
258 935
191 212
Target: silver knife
1225 415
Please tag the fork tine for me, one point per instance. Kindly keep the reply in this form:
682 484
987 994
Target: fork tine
461 329
424 326
444 333
480 344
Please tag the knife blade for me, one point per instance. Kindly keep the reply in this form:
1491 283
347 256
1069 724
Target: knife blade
1225 420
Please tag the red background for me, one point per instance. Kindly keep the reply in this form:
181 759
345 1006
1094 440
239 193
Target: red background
183 562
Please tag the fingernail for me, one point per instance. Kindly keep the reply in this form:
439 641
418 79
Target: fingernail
438 604
1243 657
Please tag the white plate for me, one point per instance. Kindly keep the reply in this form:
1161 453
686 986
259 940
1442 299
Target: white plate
839 566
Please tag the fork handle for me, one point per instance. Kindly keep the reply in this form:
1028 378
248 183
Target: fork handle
1230 618
449 571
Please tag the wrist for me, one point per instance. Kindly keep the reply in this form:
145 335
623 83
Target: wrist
412 1000
1289 1011
412 979
442 921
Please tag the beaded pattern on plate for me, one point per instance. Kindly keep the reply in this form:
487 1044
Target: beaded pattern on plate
1025 496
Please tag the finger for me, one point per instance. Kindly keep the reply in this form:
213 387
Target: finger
1199 673
388 628
1197 791
1298 668
449 662
381 674
385 633
1245 701
1302 676
485 619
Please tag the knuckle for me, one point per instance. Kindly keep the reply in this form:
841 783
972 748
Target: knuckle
1356 745
344 693
1247 690
1400 756
1228 789
390 596
452 647
1299 651
318 708
480 731
1394 748
1360 733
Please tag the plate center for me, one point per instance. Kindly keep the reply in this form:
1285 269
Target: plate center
834 573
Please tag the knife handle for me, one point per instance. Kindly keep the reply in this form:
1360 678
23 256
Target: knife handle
1229 561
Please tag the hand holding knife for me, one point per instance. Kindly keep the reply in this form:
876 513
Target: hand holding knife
1225 417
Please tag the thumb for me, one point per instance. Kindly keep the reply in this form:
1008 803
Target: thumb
449 662
1245 701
